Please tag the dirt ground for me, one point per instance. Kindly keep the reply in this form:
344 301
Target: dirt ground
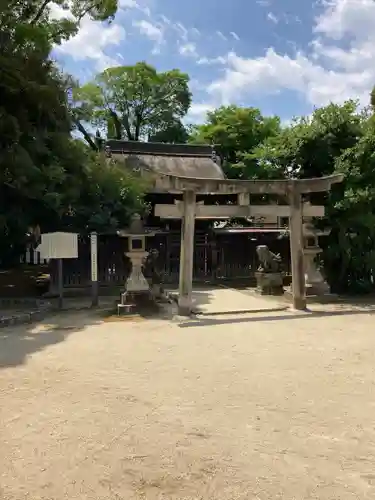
267 406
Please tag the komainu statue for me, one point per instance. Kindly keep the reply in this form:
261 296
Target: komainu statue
269 261
269 276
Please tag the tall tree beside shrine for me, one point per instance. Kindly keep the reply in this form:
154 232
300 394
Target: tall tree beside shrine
335 139
135 103
46 177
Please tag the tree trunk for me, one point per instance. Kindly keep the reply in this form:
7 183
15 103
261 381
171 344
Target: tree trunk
40 12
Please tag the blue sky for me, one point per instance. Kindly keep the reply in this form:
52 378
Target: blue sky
284 56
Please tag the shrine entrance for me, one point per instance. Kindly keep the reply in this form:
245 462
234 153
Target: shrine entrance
188 210
221 255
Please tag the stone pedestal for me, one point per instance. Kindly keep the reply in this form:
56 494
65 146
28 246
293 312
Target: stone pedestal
315 283
136 281
269 283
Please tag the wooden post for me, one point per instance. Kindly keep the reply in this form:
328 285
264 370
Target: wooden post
243 199
94 269
60 282
187 255
296 249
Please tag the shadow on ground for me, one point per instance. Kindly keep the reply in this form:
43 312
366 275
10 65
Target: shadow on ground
18 342
204 321
201 296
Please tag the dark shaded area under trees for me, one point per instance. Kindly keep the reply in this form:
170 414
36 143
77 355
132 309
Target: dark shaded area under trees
49 180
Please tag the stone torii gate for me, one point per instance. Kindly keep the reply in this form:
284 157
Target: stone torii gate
188 210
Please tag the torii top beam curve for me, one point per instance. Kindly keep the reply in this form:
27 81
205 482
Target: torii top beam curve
230 186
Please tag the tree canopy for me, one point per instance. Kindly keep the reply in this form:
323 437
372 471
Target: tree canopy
236 132
310 146
135 102
33 20
46 177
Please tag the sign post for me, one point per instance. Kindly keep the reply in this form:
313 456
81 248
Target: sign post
94 270
59 246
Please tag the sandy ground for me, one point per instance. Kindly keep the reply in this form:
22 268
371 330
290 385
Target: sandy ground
250 407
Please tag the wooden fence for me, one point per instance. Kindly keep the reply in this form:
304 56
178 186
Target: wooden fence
217 257
32 257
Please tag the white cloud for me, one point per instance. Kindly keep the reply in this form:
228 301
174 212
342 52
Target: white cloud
352 17
189 50
146 10
221 35
57 12
235 36
198 112
271 17
128 4
182 31
154 32
133 4
165 19
211 61
331 72
91 41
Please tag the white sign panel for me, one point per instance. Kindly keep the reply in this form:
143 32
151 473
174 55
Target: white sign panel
59 245
94 257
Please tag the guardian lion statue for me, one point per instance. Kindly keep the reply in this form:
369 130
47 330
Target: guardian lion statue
269 261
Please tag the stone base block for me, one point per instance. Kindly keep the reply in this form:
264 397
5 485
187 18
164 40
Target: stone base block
269 283
321 288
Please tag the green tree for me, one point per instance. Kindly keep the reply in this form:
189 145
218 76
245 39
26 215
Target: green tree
310 146
21 15
236 132
134 102
105 196
335 139
372 99
174 133
34 127
44 173
349 252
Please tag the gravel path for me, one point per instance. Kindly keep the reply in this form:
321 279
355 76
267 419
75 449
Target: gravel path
228 408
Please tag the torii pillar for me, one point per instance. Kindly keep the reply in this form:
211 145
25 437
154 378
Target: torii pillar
187 254
296 248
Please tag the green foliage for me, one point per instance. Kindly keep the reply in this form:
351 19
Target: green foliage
47 179
34 128
310 146
134 102
31 19
335 139
106 198
237 132
349 253
174 133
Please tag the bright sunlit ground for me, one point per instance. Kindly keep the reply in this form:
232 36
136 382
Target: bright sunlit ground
247 407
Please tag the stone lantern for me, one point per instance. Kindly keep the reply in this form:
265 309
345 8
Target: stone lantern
137 254
314 281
